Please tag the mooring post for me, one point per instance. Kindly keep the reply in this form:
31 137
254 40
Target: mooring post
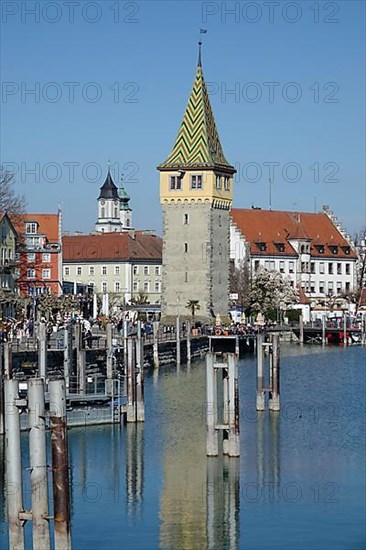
67 354
178 339
13 465
38 463
131 381
274 396
211 383
2 402
344 329
95 306
60 464
323 331
7 360
237 345
260 375
233 394
363 329
140 409
42 349
189 356
109 351
80 359
125 350
301 323
156 344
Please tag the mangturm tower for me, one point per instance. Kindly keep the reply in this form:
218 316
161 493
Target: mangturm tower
196 186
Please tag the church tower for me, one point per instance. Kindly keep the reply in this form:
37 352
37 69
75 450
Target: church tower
196 188
114 212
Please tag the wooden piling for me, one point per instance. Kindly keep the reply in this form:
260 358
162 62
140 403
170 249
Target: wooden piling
345 342
178 339
233 387
189 356
324 341
140 408
8 360
67 354
80 360
260 402
38 463
274 397
156 344
109 351
125 350
131 381
42 350
60 464
13 465
211 384
301 323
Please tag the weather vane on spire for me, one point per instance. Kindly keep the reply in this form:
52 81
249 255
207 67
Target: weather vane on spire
202 31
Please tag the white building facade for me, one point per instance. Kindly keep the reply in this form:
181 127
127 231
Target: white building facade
306 248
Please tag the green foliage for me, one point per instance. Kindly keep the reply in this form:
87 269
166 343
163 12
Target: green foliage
193 306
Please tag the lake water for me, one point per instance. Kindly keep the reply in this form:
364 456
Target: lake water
299 483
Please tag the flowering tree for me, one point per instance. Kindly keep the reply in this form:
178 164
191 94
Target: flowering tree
269 291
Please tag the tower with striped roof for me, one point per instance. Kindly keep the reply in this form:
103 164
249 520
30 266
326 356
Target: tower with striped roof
196 187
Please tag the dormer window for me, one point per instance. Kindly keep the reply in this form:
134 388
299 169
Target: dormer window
346 249
31 228
320 248
333 248
175 182
280 247
261 246
196 182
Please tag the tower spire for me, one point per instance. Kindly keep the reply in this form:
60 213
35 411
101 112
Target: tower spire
199 54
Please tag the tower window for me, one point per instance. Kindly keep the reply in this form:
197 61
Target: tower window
227 184
175 182
186 219
116 212
185 247
196 182
186 277
102 212
218 182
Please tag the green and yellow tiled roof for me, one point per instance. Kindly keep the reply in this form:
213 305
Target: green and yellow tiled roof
197 144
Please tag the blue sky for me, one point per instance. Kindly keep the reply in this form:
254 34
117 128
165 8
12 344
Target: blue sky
112 80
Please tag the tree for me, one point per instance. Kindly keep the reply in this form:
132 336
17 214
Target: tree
270 291
193 306
10 202
240 282
140 300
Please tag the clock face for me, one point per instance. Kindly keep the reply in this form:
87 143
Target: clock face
116 202
102 201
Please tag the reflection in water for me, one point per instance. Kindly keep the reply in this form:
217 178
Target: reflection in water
134 445
268 450
199 504
223 503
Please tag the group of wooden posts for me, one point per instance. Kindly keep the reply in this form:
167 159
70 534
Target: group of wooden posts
222 383
40 514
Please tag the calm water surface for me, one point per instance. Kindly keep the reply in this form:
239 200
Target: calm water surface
299 483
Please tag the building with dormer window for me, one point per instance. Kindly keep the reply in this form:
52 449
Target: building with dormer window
309 248
39 255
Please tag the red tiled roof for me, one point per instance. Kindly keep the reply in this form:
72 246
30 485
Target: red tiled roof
276 226
303 297
109 247
48 224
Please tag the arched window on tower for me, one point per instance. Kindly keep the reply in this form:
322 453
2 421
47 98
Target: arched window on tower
102 212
